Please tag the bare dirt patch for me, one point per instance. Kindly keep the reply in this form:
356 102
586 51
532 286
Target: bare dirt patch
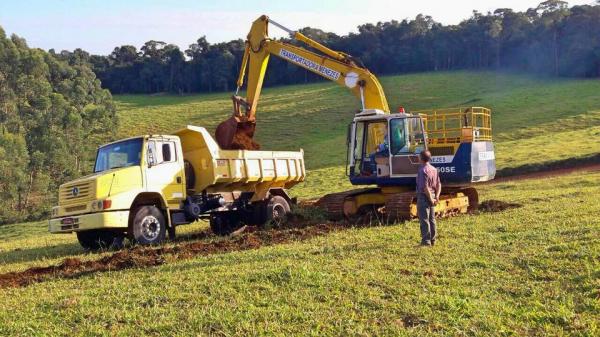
138 257
411 320
496 206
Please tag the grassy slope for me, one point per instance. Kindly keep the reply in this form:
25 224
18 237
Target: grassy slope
531 270
534 120
315 116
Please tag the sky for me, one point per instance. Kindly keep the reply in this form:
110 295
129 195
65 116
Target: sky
100 25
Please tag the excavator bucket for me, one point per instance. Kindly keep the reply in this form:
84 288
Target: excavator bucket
234 135
237 132
225 132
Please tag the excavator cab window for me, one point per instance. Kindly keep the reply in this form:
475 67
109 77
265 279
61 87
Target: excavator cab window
407 136
416 135
398 136
370 140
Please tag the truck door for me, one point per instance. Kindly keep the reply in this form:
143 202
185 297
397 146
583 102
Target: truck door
165 173
407 140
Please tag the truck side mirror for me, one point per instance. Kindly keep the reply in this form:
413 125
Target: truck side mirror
151 158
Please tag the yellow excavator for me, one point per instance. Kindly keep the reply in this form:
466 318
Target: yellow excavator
383 147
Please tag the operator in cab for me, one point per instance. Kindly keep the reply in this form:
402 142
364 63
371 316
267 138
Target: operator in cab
381 150
429 188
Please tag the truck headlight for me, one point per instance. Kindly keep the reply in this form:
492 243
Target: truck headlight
98 205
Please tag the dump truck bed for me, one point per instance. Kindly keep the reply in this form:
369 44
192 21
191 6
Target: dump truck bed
217 170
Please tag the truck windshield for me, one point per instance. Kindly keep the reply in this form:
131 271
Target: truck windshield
121 154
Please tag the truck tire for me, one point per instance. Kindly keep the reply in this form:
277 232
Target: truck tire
95 239
224 223
276 210
149 226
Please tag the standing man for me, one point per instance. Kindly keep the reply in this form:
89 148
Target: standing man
428 194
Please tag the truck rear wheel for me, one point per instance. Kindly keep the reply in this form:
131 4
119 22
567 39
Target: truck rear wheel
149 226
95 239
276 210
224 223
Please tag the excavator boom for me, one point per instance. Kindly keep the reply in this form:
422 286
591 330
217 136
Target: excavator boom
237 132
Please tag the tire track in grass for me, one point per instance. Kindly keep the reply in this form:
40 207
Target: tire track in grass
138 257
298 228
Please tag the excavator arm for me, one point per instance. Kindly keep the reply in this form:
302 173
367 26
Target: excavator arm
237 131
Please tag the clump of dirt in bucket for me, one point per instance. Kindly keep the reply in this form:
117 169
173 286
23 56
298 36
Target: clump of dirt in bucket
496 206
242 141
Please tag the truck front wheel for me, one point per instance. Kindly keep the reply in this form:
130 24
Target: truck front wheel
95 239
149 226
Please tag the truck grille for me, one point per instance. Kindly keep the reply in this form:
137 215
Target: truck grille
77 192
76 208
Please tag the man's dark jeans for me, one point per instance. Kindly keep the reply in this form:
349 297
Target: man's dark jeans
426 213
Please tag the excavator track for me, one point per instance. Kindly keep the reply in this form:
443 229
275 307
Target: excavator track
398 206
469 192
401 206
333 203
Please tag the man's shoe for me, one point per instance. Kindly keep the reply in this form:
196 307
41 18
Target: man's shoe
425 243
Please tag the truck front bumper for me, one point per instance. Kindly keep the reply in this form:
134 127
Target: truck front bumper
76 223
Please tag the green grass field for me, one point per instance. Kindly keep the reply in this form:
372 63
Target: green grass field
533 270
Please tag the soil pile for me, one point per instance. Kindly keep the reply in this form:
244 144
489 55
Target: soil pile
138 257
241 141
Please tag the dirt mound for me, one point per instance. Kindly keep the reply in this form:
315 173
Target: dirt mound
496 206
242 141
138 257
243 138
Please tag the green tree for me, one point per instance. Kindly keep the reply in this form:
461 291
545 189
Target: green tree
53 112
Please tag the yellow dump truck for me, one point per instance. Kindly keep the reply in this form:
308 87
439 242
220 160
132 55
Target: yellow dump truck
144 187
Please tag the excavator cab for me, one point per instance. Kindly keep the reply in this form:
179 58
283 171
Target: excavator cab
384 148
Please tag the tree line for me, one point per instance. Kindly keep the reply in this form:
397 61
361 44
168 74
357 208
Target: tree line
53 113
551 39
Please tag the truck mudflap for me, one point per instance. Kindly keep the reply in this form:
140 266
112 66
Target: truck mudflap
76 223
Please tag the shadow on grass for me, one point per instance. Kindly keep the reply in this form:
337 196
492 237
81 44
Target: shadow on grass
19 255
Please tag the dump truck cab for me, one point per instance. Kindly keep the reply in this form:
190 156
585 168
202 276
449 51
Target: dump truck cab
143 187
